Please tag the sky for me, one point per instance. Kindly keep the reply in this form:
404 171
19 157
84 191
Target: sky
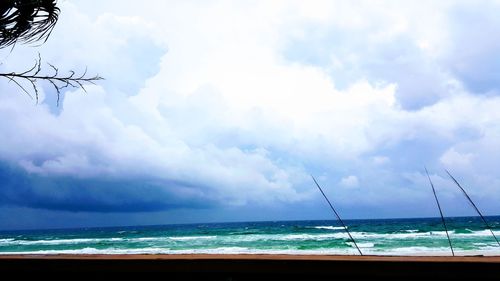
216 111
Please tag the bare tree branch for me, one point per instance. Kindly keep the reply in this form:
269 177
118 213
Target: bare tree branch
59 82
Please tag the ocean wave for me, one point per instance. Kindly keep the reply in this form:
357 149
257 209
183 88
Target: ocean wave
172 238
329 227
91 251
11 241
308 236
187 238
362 245
485 232
414 251
61 241
6 240
368 237
419 235
218 250
403 251
389 236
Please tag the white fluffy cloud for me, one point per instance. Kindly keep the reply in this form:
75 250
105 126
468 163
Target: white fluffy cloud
217 96
349 181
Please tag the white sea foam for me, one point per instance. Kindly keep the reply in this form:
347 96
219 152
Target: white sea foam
418 235
6 241
365 237
305 236
285 237
61 241
362 245
93 251
218 250
11 241
187 238
405 251
412 251
429 251
171 238
142 239
478 233
329 227
319 237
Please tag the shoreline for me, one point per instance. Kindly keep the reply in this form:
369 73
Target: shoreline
251 266
422 254
472 258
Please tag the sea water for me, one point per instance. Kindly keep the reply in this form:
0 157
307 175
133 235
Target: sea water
425 236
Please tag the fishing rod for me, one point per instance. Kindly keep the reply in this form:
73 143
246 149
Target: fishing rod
336 214
474 205
440 211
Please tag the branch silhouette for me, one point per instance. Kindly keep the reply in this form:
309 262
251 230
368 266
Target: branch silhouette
58 82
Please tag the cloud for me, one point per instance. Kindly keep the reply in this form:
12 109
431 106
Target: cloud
63 193
454 158
208 107
473 56
350 181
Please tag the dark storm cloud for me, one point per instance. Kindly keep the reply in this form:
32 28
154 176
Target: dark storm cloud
19 188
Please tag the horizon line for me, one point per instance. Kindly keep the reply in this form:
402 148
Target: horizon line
222 222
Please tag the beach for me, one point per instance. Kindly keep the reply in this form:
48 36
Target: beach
243 267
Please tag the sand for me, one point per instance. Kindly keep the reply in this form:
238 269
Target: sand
254 267
472 258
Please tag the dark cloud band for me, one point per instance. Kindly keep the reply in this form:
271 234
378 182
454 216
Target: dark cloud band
20 188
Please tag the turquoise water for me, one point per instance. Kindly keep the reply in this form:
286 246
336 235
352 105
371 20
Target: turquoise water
378 237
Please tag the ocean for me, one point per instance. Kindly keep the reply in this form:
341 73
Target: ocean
424 236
